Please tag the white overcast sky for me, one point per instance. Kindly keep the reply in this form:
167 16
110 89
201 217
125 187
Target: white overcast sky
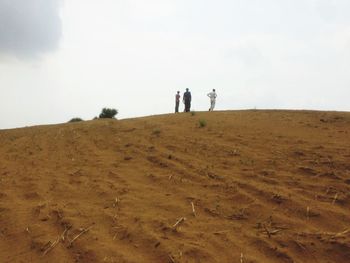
70 58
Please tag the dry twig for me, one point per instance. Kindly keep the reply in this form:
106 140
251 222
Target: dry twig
335 198
52 246
171 259
64 233
182 219
55 243
342 233
116 202
267 231
299 244
193 210
335 235
81 233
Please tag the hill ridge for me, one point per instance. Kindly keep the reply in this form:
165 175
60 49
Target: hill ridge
265 186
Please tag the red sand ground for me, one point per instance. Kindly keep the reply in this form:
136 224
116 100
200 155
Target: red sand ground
266 186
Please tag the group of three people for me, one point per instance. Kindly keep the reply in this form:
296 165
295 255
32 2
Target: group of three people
187 98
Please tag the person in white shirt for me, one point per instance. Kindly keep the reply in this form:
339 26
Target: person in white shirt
212 95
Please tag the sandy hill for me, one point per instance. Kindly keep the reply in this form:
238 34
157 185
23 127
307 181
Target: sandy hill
250 186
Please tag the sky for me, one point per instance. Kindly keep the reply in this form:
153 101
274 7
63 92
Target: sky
61 59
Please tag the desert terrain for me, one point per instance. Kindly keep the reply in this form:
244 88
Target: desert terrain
247 186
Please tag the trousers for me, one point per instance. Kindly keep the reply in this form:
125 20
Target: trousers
212 105
187 105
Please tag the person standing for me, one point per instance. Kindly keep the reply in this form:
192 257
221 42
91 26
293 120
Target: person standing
177 101
212 95
187 100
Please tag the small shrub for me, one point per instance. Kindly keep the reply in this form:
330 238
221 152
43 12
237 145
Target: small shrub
156 132
193 113
202 123
76 120
108 113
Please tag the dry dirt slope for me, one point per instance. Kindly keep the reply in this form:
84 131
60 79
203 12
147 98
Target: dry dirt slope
266 186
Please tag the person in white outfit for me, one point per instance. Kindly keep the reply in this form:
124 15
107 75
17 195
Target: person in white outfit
212 95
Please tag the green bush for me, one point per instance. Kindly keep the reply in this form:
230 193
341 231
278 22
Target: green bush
76 120
202 123
108 113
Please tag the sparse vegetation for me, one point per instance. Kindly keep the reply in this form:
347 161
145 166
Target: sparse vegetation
76 120
156 132
202 123
108 113
193 113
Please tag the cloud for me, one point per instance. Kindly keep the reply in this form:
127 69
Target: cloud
29 27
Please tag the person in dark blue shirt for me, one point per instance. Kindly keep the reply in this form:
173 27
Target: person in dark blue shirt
187 100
